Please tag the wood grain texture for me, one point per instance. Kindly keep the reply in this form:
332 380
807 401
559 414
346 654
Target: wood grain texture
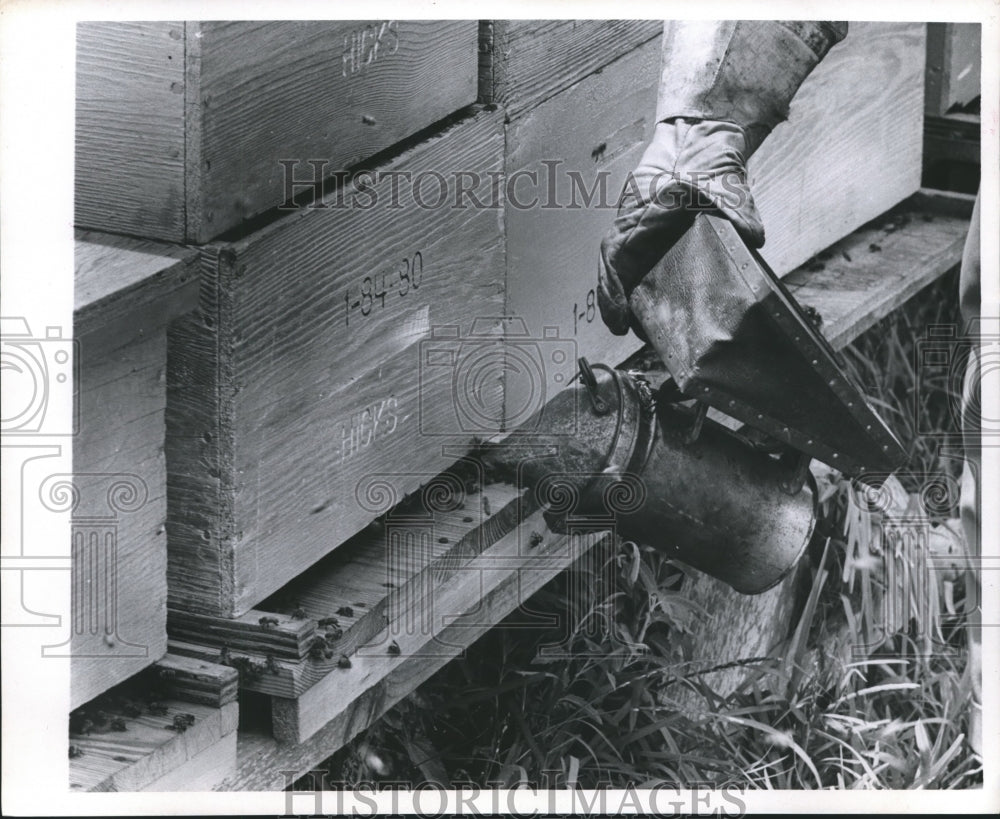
181 126
130 128
203 771
119 276
259 631
338 91
357 697
284 396
851 147
954 65
198 680
127 293
148 751
524 62
587 138
868 274
386 571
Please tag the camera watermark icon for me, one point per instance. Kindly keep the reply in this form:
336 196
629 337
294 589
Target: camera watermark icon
584 508
37 372
430 540
911 554
497 378
453 560
25 566
961 367
96 503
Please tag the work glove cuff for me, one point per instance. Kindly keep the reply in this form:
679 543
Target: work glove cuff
745 72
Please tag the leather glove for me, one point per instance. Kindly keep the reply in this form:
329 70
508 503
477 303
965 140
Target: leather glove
690 165
724 87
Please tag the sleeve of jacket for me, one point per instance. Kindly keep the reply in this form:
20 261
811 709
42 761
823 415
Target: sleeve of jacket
745 71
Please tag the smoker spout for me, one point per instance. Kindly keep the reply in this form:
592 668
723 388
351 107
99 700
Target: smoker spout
606 450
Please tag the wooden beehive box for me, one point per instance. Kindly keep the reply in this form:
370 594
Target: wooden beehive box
323 356
524 62
181 127
126 293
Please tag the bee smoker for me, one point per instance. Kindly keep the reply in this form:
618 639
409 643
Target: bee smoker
739 506
665 475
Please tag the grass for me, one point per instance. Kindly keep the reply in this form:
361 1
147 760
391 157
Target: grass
821 714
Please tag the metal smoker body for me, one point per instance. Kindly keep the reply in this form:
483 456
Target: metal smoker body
668 477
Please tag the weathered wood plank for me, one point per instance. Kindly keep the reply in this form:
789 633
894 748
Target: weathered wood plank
337 91
383 572
263 632
851 147
182 127
952 138
305 374
582 142
524 62
954 65
868 274
148 750
197 680
130 128
127 291
203 771
119 276
508 575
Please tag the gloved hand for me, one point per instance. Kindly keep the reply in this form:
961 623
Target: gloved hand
725 85
690 165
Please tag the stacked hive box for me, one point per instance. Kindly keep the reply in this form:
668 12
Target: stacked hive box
322 356
185 131
126 293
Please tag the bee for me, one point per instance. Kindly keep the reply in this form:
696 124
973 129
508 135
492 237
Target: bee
344 661
394 648
268 622
345 611
319 650
327 621
181 723
298 613
75 751
535 539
